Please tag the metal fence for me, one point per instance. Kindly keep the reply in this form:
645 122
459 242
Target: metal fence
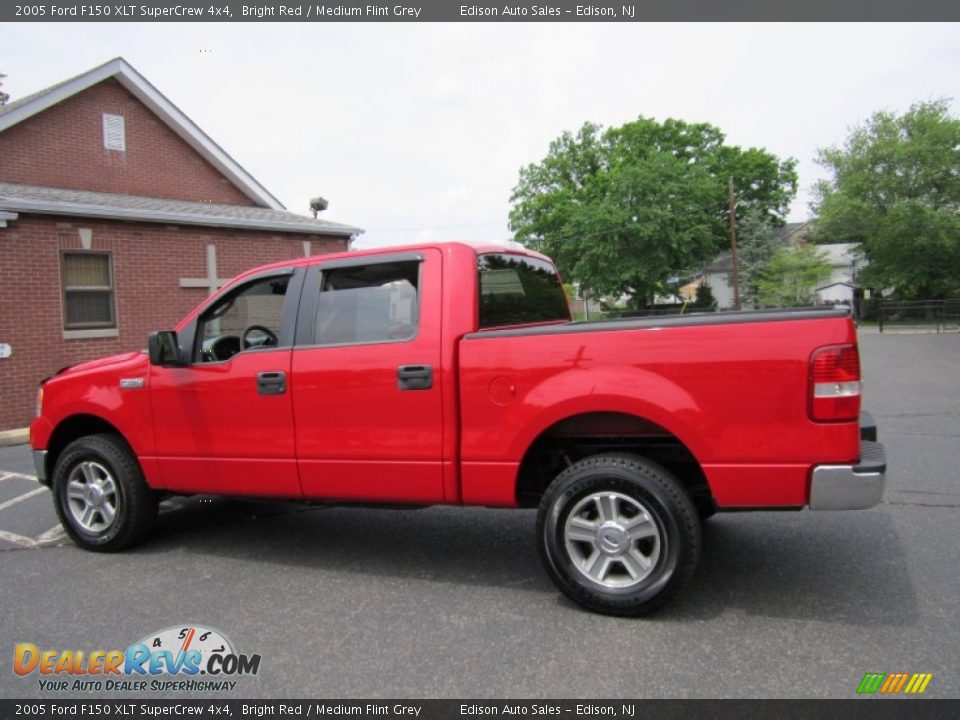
914 315
938 316
657 310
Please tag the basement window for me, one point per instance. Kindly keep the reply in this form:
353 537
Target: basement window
114 134
88 293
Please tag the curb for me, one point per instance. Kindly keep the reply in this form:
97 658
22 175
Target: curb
20 436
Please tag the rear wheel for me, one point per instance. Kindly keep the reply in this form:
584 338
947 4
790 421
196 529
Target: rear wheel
100 495
618 534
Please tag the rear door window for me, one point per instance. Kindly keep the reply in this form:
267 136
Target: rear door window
368 304
519 290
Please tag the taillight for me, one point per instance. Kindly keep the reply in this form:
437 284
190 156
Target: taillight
835 384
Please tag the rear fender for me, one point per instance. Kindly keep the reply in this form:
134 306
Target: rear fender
628 390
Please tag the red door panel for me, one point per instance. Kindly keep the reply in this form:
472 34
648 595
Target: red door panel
359 435
216 433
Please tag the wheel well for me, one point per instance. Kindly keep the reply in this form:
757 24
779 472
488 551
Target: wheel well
577 437
75 426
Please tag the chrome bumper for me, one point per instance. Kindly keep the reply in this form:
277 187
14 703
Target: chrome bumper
40 465
850 487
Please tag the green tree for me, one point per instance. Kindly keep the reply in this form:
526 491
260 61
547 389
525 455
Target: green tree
791 276
705 299
756 246
3 96
622 209
895 188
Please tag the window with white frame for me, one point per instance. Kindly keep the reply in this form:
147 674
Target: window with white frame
88 292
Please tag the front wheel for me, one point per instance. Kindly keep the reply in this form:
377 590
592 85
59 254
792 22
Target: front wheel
618 534
100 495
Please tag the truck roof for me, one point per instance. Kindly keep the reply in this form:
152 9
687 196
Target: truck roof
478 248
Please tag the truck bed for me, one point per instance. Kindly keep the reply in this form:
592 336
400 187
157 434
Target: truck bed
731 388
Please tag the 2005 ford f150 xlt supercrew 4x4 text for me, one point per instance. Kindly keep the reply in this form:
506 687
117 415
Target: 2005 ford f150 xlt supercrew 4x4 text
452 374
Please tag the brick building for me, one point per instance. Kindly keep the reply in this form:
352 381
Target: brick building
117 216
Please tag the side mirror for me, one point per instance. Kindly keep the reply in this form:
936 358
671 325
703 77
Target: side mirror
164 349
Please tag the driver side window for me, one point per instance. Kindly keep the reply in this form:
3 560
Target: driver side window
246 318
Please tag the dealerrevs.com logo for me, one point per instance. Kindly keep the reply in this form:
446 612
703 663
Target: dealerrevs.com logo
181 658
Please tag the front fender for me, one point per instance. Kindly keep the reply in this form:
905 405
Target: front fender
99 394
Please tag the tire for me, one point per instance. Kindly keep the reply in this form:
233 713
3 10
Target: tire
706 511
618 534
100 494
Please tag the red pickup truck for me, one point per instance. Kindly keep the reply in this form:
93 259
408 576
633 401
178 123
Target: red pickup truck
452 374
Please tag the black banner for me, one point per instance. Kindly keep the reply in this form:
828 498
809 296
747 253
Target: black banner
446 709
476 11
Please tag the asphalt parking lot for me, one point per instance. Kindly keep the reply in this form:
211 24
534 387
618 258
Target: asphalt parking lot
351 602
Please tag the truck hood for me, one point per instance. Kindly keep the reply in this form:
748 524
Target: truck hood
130 359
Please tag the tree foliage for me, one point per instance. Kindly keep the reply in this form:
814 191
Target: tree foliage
705 299
756 246
622 209
3 96
791 276
895 188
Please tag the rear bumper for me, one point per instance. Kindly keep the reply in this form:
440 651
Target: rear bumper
850 487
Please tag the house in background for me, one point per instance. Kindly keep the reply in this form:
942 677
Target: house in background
582 305
843 259
118 215
841 286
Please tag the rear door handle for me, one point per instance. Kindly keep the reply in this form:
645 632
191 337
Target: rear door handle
271 383
415 377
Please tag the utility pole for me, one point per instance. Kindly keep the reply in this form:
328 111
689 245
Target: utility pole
733 245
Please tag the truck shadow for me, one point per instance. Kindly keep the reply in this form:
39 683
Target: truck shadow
845 567
848 568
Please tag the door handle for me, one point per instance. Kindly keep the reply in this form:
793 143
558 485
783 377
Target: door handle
271 383
415 377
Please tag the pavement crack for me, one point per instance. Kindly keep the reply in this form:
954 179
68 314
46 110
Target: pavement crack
945 414
925 434
23 548
920 504
927 492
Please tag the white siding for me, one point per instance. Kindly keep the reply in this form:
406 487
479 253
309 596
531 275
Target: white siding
722 288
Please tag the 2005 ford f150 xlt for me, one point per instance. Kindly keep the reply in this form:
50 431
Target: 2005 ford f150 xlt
452 374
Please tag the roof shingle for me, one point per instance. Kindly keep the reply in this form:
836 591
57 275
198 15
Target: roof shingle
60 201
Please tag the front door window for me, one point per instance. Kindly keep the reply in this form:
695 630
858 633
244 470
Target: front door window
245 319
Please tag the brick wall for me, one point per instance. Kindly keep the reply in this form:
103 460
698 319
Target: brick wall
149 261
63 147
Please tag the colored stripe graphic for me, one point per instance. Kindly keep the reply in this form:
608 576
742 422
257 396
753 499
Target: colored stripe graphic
895 683
871 683
918 683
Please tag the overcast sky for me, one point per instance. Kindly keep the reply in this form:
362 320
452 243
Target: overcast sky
418 131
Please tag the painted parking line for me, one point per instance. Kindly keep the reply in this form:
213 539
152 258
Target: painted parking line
17 539
7 475
52 535
47 537
21 498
